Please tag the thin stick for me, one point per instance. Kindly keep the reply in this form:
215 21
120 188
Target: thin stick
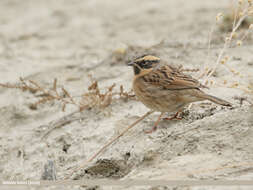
208 51
61 122
235 15
226 45
109 143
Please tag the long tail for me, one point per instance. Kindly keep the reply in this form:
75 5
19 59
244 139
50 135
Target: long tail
217 100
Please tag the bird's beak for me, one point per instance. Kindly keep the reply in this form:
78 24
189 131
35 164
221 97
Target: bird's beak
131 63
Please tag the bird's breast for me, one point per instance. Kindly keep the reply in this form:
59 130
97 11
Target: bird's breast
149 99
156 98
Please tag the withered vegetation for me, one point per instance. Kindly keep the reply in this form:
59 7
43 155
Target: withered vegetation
90 99
233 12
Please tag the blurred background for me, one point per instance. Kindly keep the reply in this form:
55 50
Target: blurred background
40 34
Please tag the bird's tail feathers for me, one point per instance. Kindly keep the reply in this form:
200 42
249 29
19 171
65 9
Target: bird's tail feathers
217 100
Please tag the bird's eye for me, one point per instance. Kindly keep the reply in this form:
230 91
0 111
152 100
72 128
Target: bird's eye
145 62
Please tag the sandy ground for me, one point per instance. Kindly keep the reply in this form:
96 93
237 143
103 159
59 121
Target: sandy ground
69 40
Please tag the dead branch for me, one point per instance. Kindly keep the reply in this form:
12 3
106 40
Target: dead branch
108 144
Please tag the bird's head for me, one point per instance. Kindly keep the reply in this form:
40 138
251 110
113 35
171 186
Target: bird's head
144 62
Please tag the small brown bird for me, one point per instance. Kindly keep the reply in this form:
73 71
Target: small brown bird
164 88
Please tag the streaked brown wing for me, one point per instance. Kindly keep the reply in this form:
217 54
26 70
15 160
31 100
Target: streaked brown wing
169 78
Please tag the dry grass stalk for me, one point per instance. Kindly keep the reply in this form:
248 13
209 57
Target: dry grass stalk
108 144
242 12
241 16
61 122
227 43
209 45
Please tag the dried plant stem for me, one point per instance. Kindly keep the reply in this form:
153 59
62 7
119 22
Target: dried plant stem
235 15
226 45
67 119
109 143
208 51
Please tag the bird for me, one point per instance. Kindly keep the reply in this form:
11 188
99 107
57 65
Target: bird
164 88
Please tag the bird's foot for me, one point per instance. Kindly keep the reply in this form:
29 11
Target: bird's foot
151 130
177 116
155 125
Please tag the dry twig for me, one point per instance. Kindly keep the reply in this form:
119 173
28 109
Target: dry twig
236 25
108 144
92 98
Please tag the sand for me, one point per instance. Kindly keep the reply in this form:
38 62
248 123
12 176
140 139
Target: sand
70 40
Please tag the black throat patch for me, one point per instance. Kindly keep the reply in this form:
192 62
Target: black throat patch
136 70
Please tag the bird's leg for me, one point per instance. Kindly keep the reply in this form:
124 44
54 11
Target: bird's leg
176 116
155 125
